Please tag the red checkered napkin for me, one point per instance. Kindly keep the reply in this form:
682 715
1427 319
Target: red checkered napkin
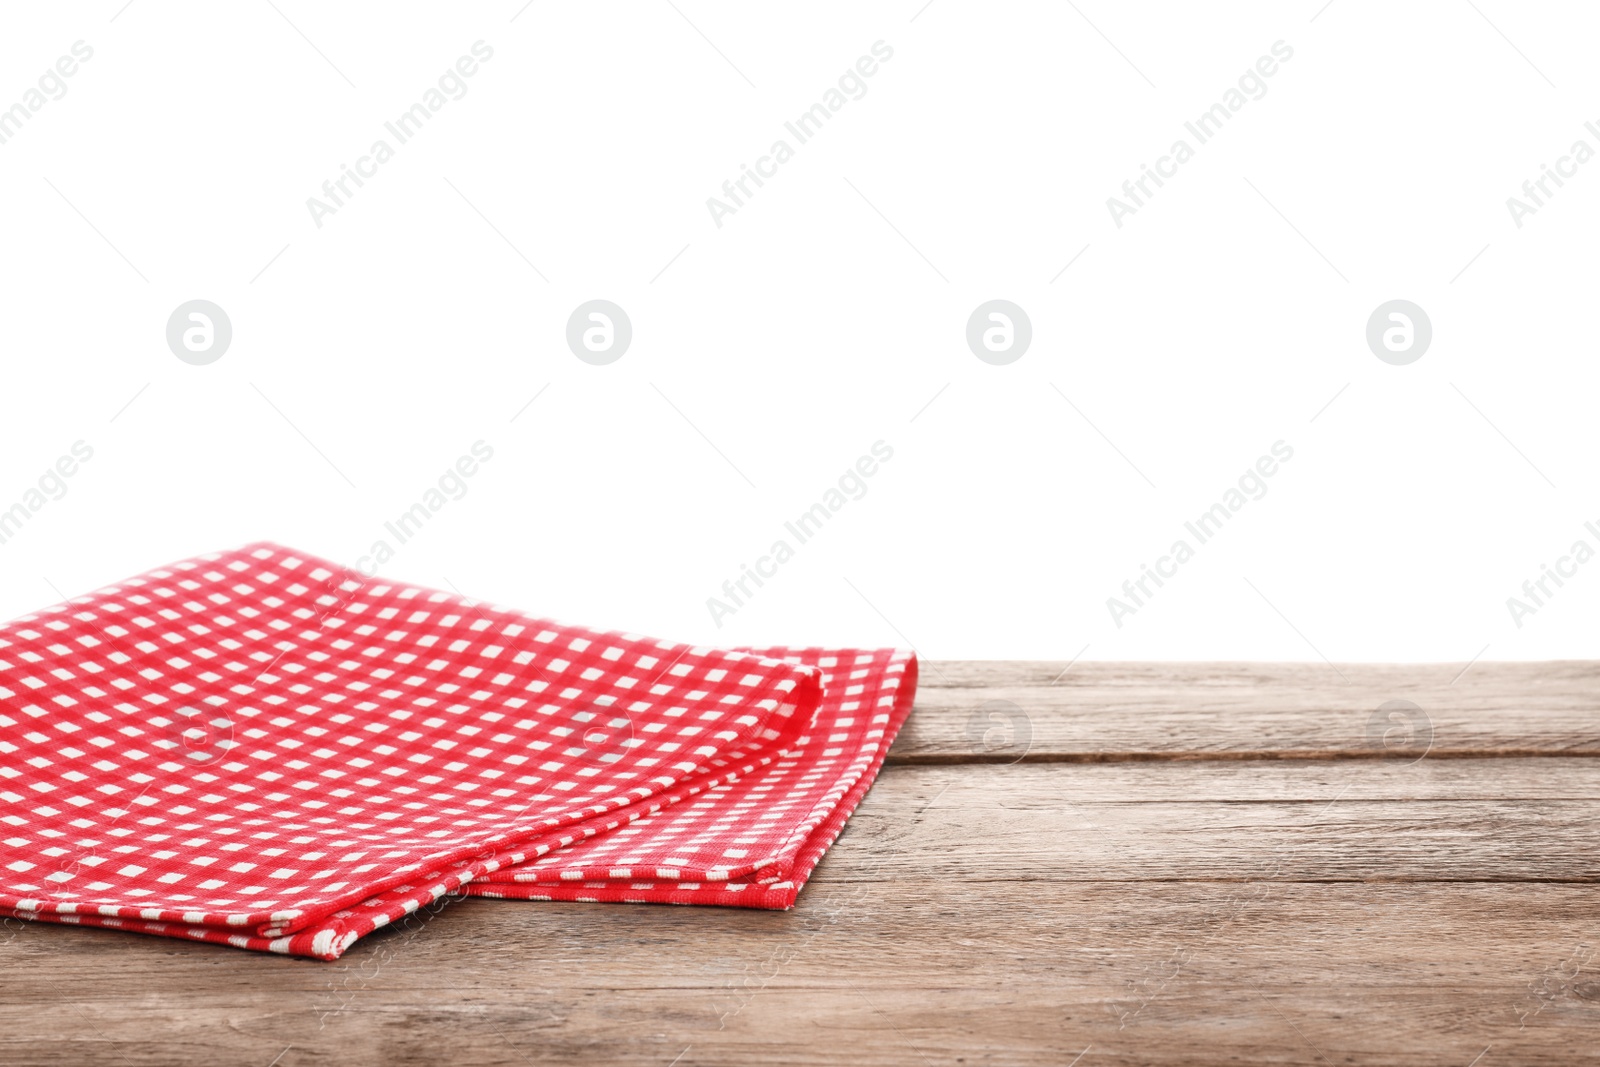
751 836
263 749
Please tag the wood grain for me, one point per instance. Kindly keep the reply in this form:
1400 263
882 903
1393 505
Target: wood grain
1306 822
1167 972
1177 906
1107 711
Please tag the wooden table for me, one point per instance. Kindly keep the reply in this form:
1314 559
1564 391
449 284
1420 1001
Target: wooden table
1168 863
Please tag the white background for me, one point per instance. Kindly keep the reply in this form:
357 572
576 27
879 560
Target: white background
825 315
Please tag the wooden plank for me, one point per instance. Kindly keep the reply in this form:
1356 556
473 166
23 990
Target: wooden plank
1232 821
1000 712
945 673
888 973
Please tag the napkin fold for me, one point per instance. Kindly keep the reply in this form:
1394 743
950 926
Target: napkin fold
263 749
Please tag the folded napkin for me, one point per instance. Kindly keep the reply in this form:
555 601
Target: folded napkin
267 750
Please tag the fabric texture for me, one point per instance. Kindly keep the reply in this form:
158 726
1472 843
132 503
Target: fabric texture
267 750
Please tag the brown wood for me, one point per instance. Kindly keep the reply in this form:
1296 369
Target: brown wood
1180 896
1002 712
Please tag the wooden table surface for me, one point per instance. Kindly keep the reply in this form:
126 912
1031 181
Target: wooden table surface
1122 863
